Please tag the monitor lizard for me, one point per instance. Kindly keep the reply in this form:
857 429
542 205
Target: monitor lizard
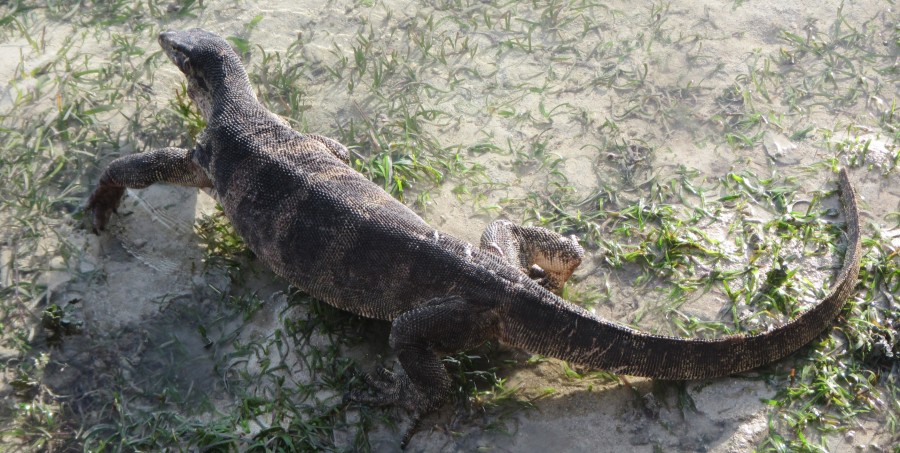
327 229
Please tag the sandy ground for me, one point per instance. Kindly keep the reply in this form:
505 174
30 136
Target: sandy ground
152 258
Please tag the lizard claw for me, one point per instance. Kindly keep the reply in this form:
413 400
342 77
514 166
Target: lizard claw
380 399
387 388
411 429
381 379
383 387
102 203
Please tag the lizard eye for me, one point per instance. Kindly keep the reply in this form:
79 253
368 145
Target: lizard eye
182 61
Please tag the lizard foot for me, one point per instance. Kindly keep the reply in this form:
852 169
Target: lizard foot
421 383
386 388
102 204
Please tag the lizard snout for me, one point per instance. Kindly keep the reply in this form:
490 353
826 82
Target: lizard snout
165 38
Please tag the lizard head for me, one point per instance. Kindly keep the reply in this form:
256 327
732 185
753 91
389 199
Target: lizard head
210 65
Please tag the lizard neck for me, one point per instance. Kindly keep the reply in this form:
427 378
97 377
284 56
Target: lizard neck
230 91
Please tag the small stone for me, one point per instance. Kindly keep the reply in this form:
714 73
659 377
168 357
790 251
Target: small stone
777 146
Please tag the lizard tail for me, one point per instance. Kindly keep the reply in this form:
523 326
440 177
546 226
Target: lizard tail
561 330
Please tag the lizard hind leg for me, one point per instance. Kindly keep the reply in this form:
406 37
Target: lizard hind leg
420 337
547 257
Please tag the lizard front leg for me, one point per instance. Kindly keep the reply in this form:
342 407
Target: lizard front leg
420 336
171 165
545 256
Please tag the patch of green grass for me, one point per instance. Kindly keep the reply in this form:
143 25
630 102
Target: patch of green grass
851 374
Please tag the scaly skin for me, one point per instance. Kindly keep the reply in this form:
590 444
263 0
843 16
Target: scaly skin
331 232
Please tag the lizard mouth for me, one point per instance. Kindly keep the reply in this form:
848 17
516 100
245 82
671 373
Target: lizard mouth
175 50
